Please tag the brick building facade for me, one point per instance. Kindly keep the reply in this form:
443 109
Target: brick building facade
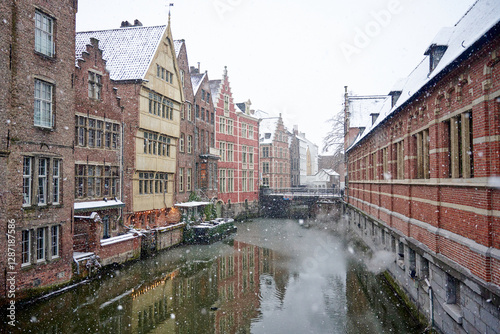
98 151
37 133
185 152
423 179
235 130
274 153
143 67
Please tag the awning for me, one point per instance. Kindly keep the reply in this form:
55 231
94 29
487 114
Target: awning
96 205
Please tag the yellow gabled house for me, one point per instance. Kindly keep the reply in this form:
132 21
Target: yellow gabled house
144 71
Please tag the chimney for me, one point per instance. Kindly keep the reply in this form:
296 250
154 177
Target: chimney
125 24
199 67
137 23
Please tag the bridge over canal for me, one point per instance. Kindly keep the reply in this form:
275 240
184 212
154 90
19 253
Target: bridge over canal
298 202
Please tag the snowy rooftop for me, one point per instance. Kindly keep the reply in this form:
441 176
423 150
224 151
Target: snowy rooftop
261 114
196 80
360 108
128 51
214 90
478 20
267 129
177 46
330 172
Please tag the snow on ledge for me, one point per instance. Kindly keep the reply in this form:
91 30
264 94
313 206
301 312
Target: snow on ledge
97 204
120 238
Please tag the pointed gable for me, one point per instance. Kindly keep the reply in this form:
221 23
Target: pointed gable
128 51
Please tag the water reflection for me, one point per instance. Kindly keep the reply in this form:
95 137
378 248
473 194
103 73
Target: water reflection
275 276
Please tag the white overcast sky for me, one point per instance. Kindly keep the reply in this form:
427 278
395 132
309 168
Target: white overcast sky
293 57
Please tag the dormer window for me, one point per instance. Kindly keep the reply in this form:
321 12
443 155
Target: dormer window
267 135
435 53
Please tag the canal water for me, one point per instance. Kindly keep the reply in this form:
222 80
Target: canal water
272 276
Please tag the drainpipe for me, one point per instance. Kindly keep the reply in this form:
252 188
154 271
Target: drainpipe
431 303
77 266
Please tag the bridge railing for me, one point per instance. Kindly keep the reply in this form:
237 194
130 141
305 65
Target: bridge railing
301 191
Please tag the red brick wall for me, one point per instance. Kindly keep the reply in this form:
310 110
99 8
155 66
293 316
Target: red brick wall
20 66
466 207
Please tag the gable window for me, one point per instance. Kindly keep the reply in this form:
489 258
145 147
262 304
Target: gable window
44 34
226 103
43 104
95 85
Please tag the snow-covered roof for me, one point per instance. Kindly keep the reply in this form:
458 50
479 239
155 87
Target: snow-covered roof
330 172
479 19
360 108
177 46
214 90
261 114
196 80
267 129
128 51
94 205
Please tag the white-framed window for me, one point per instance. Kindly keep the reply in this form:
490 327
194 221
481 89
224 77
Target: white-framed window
222 147
181 179
222 180
27 180
95 85
189 144
54 241
40 244
56 181
44 34
230 152
190 112
244 130
26 247
222 125
43 104
38 174
244 180
188 179
42 180
181 142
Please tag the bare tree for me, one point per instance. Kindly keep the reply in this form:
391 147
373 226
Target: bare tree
334 139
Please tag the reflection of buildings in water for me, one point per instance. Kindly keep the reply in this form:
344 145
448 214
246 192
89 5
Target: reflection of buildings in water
238 286
335 299
152 306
